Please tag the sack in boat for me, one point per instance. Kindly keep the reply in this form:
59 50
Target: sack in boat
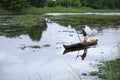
91 41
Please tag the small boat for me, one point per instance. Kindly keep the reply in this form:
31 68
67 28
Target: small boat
80 45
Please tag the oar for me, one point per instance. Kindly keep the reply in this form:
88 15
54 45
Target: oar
77 56
78 36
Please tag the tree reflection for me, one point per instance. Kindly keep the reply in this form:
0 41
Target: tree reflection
35 32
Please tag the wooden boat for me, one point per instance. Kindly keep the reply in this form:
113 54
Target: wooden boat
80 45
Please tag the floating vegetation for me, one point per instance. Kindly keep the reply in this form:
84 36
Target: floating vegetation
32 46
46 45
35 46
91 20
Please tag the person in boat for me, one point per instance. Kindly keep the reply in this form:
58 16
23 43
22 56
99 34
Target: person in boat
85 36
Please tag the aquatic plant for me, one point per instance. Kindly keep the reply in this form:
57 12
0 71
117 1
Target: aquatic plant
91 20
110 70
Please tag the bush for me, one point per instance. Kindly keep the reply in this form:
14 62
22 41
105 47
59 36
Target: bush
15 5
68 3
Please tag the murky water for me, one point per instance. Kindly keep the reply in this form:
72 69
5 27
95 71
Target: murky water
20 61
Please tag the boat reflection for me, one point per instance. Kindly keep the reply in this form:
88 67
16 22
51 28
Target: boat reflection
83 55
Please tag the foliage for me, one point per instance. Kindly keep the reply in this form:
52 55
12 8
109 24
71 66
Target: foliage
101 4
51 3
14 5
37 3
4 11
19 5
68 3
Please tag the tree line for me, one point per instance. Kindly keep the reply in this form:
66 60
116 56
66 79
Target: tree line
17 5
101 4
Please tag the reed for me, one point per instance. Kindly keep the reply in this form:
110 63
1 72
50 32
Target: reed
110 70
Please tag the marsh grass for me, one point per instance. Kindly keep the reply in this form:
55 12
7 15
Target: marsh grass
26 20
75 73
69 74
110 70
92 20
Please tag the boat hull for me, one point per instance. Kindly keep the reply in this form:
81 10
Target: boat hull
80 45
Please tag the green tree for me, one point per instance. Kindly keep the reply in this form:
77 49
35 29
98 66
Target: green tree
68 3
76 3
15 5
101 4
38 3
51 3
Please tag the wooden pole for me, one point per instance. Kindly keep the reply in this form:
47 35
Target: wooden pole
78 36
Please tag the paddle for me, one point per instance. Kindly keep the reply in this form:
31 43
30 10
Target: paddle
78 36
77 56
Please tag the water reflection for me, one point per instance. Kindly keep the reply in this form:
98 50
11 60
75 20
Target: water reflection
83 55
35 32
43 61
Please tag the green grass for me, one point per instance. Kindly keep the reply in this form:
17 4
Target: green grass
34 10
4 11
111 69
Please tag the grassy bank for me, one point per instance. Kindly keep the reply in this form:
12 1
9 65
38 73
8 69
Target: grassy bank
33 10
111 70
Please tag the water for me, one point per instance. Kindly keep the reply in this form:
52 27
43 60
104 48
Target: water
86 13
48 61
